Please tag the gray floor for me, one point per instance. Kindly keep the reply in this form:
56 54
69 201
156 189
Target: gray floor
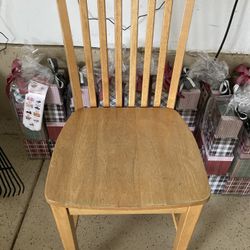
26 221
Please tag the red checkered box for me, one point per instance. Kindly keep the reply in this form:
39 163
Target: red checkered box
54 130
37 149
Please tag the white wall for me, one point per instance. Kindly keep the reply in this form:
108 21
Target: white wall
36 22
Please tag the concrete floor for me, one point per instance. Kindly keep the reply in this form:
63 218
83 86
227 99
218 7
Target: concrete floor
26 222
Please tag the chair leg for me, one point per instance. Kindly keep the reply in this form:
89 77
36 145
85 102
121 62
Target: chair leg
75 218
186 225
66 227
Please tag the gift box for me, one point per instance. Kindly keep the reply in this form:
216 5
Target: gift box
188 99
34 135
85 98
240 167
225 122
189 116
54 130
215 165
205 94
37 149
245 142
54 113
218 146
237 185
54 95
217 183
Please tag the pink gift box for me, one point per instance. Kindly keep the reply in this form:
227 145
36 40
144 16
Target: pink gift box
85 97
54 95
189 99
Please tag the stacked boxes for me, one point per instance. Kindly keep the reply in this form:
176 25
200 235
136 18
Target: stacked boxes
239 181
35 142
218 137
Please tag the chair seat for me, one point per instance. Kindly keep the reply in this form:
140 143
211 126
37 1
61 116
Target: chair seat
126 158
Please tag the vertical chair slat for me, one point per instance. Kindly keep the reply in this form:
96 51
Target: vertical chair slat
70 54
103 51
118 52
133 51
180 53
163 52
148 52
87 51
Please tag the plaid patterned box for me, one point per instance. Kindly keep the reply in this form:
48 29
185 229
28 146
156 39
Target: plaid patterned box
215 165
189 116
240 167
37 149
217 183
54 130
237 186
189 99
218 146
54 113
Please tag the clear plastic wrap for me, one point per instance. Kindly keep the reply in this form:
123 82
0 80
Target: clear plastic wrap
240 100
208 70
24 69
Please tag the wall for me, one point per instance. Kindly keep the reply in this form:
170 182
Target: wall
36 22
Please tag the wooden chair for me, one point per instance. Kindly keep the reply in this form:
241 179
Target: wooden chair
126 160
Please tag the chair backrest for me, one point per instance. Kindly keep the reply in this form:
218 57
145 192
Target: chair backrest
71 59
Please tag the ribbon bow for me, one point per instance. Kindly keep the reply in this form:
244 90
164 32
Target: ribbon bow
242 75
15 75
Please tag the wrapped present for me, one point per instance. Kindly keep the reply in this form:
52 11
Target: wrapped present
215 165
245 142
37 149
217 183
205 94
240 167
54 113
226 123
54 130
188 100
189 116
237 186
54 95
34 135
218 146
85 98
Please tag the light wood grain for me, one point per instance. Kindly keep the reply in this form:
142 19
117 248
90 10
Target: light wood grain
118 52
186 227
75 219
103 51
65 226
70 54
126 158
83 6
180 53
133 51
163 51
116 211
175 219
148 52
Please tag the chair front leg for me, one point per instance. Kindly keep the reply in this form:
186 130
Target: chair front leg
66 227
185 227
